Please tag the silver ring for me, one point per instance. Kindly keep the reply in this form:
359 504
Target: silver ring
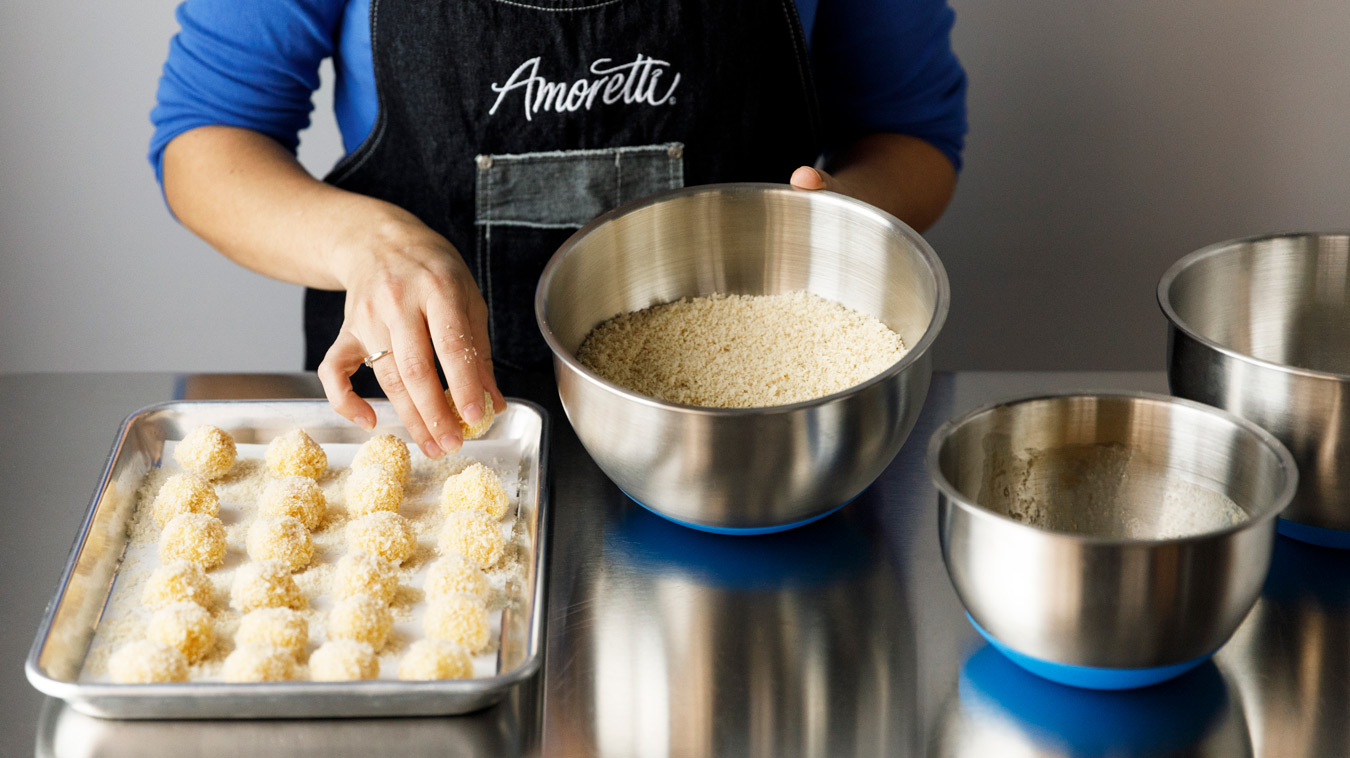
370 359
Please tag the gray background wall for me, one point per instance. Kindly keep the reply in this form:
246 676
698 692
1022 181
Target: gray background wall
1107 140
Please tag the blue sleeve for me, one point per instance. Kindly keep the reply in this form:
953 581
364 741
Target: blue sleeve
246 63
888 66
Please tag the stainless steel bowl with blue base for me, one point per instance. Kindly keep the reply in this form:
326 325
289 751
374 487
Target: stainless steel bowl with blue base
1261 328
1107 540
743 470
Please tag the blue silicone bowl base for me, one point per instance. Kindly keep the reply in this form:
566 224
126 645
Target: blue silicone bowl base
1091 677
1314 535
746 531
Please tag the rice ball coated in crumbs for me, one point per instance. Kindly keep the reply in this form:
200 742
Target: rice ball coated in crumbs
454 574
474 431
474 535
343 661
280 538
194 537
277 627
461 619
361 618
184 493
427 660
206 451
373 488
383 534
180 580
184 626
295 454
386 451
476 488
296 496
363 574
146 662
259 663
265 584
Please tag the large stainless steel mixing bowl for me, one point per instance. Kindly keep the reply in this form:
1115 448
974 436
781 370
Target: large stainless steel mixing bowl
1084 530
748 469
1261 327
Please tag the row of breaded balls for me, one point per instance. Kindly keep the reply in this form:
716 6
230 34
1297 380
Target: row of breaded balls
272 635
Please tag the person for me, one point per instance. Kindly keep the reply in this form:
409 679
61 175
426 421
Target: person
481 133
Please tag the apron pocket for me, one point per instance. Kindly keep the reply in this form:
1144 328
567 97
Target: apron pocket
528 204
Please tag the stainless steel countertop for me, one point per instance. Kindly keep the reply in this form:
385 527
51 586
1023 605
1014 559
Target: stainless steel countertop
842 638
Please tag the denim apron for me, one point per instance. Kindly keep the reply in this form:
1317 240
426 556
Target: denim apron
505 125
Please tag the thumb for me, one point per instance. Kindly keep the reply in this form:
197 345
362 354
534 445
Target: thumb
808 178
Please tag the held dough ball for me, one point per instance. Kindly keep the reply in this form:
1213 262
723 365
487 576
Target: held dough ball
277 627
259 663
184 626
373 488
474 431
363 574
383 534
454 574
295 454
476 488
184 493
461 619
361 618
435 659
280 538
146 662
175 582
344 661
194 537
296 496
265 584
206 451
475 536
386 451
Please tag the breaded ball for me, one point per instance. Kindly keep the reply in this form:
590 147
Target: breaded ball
383 534
146 662
363 574
184 493
361 618
474 431
461 619
386 451
194 537
473 535
373 488
296 496
476 488
184 626
343 661
277 627
280 538
207 451
295 454
259 663
177 581
454 574
435 659
265 584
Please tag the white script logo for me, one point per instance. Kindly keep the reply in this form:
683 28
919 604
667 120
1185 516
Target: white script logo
636 82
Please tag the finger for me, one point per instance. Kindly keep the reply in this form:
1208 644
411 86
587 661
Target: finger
396 389
478 325
335 372
808 178
417 367
456 344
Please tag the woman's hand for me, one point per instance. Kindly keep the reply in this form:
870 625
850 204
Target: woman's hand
902 175
409 291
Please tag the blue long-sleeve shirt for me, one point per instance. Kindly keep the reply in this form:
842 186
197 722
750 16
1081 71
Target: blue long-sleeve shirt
880 66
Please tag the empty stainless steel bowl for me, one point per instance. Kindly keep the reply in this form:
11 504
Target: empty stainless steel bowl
1088 535
752 469
1261 327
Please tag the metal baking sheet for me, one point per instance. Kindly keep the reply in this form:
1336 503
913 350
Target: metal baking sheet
72 617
